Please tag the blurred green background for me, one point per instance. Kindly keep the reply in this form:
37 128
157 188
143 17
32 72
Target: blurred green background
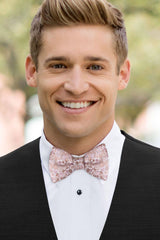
143 29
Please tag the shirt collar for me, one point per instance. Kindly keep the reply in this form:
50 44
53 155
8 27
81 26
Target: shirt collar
113 142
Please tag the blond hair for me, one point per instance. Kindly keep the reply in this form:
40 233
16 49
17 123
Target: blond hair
72 12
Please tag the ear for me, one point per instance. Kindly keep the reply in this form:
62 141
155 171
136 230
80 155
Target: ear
31 74
124 75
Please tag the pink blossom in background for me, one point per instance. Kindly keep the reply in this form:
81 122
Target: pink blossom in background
12 111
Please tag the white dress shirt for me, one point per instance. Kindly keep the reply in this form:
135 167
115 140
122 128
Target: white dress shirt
82 216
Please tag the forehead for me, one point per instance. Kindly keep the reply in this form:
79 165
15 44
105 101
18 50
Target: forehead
81 40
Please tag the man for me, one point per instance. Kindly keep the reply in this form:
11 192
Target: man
83 179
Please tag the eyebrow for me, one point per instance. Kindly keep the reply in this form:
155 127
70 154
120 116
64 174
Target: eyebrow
88 58
96 59
56 58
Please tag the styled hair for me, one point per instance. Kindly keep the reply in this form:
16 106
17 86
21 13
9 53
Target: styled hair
73 12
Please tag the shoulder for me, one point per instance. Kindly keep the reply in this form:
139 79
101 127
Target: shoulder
140 162
140 148
22 153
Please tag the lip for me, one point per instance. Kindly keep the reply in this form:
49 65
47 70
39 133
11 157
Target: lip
77 101
76 110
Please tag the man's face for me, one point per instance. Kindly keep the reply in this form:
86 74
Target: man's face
77 81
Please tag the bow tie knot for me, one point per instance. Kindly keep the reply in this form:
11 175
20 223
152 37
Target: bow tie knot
62 164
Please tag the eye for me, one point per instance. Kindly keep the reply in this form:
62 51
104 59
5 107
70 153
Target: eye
57 66
95 67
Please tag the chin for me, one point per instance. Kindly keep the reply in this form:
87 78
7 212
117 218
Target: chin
75 133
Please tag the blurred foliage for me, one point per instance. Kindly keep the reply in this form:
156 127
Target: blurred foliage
143 29
15 20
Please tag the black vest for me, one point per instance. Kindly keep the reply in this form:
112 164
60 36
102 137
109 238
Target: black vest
134 212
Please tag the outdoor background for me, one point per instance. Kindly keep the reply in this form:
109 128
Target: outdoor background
138 107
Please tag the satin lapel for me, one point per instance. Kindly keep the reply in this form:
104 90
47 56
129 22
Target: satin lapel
37 185
114 225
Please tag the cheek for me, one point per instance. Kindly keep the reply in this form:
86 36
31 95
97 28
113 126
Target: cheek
107 88
44 95
46 87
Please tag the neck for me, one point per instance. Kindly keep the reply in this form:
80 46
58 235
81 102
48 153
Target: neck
79 145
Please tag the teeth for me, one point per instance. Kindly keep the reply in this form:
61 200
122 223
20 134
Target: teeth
76 105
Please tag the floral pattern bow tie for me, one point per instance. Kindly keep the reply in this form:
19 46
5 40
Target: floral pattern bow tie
62 164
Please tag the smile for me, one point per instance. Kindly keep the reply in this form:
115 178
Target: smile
76 105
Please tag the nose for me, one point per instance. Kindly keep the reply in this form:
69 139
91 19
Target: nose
76 82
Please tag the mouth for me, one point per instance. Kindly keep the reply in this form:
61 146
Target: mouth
76 105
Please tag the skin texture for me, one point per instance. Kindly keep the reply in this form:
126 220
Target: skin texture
77 64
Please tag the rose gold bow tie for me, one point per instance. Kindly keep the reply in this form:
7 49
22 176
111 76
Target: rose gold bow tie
62 164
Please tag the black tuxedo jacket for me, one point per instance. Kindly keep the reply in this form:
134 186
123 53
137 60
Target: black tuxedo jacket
134 212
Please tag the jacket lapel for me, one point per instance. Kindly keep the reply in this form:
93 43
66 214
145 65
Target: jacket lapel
114 225
44 211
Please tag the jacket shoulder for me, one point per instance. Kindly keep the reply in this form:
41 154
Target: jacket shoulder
139 147
20 156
